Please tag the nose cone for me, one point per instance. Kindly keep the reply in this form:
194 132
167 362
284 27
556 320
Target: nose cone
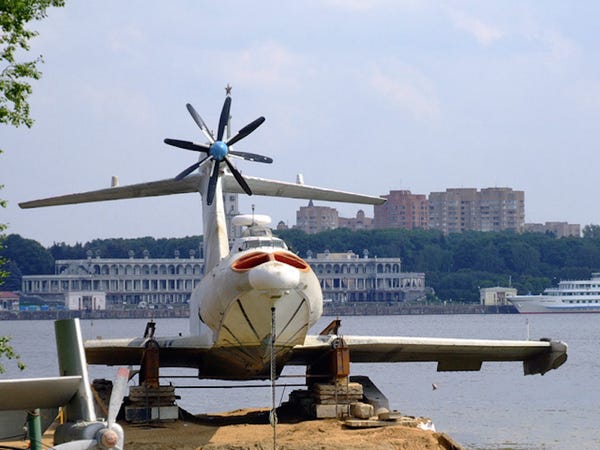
274 276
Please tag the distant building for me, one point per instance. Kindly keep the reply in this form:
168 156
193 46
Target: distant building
85 301
559 229
402 209
345 277
98 283
496 296
9 301
314 219
360 222
150 281
466 209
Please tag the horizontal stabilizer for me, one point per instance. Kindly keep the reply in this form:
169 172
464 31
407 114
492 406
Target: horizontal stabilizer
272 188
259 186
151 189
31 393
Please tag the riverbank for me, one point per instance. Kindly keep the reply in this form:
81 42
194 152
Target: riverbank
248 429
329 309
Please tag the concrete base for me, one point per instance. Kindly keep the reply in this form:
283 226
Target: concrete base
330 411
139 414
371 393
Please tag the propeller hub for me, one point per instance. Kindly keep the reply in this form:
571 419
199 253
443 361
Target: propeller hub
219 150
109 439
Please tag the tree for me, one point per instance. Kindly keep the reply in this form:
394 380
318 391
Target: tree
14 82
15 76
7 351
31 257
591 231
3 273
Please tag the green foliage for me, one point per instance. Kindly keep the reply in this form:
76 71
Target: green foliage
8 352
3 272
15 88
120 248
29 255
15 76
591 231
12 281
457 265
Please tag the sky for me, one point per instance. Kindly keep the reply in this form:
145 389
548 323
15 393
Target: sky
362 96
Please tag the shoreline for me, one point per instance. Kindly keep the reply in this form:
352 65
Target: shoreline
346 309
249 429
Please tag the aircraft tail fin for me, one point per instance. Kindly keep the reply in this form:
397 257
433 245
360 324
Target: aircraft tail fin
72 362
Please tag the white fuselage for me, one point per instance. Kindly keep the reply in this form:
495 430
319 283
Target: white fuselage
233 306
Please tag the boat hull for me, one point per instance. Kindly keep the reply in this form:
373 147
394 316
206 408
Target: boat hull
540 304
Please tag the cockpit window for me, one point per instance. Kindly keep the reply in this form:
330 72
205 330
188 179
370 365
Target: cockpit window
271 242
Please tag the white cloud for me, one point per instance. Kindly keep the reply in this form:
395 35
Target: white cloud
407 89
269 65
356 5
111 103
557 45
484 33
124 40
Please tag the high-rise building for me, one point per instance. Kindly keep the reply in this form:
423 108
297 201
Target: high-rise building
314 219
453 211
402 209
491 209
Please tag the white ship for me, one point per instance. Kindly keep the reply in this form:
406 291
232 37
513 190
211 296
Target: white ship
578 296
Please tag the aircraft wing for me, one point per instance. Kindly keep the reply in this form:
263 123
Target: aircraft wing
450 354
174 352
31 393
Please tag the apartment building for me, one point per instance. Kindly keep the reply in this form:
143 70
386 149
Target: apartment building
559 229
314 219
463 209
402 209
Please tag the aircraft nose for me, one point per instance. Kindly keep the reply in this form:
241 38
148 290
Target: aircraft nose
274 275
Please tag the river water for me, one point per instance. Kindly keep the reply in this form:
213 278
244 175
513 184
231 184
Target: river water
495 408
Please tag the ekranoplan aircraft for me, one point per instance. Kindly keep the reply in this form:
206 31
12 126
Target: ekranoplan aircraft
258 291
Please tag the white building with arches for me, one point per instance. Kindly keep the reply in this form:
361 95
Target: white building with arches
133 281
346 277
163 282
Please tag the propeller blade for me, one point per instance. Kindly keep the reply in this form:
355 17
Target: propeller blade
212 183
77 445
200 123
238 176
190 169
246 130
117 395
187 145
224 118
252 157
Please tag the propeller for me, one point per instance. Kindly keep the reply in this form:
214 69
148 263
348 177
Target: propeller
109 434
219 150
